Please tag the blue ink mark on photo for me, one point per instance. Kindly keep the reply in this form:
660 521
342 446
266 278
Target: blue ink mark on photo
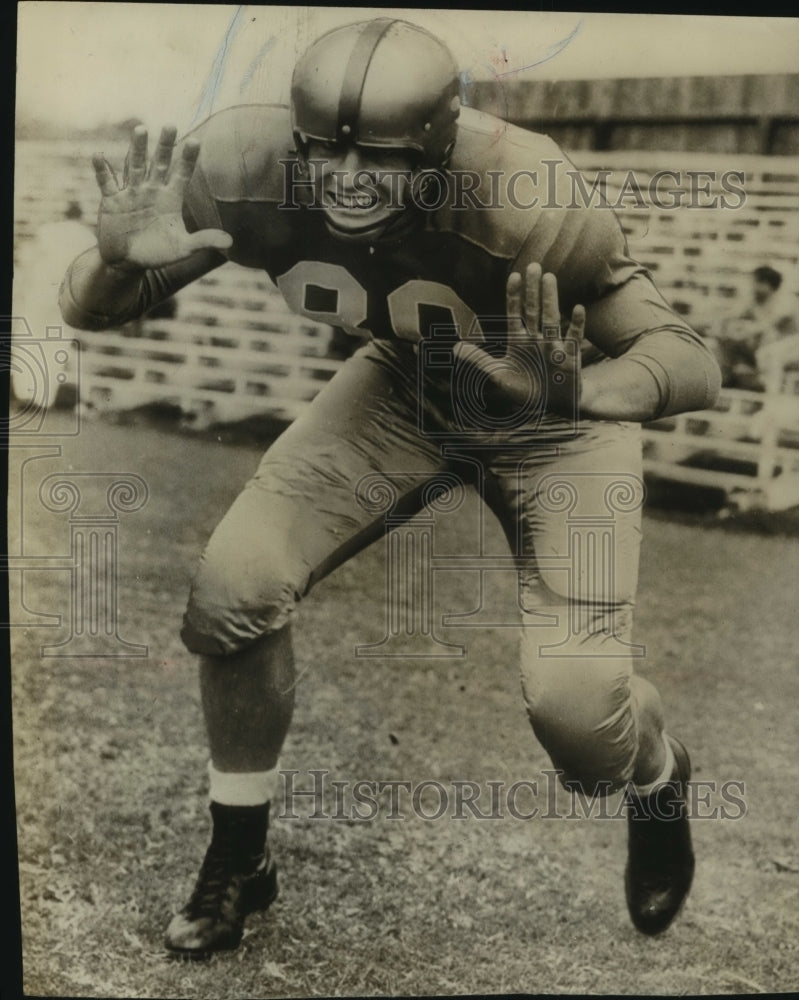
551 52
254 64
206 105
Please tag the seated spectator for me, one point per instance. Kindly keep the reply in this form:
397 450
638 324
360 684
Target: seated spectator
753 347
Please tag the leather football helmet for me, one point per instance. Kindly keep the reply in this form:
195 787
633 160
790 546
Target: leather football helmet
381 83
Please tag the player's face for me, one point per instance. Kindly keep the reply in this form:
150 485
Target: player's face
361 189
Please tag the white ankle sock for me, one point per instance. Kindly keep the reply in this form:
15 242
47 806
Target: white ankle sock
664 776
250 788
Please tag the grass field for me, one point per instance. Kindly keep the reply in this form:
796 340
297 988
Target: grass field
110 772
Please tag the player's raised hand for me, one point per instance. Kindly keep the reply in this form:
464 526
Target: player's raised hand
539 358
140 222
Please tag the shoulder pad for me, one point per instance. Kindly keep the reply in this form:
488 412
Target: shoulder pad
241 149
487 146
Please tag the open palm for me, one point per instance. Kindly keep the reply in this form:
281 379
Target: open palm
140 223
539 360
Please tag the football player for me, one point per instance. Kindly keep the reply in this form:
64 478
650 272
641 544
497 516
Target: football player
339 198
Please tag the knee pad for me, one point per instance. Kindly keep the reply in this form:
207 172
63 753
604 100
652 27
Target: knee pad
235 600
579 703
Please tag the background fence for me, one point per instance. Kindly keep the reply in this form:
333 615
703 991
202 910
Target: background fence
745 113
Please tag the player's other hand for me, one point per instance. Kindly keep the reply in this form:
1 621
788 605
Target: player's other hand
141 222
539 358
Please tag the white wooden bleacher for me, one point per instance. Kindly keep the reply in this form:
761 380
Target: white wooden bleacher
701 260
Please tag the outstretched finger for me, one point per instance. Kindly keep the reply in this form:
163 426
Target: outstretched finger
106 178
576 329
163 154
513 302
532 298
550 311
184 168
137 157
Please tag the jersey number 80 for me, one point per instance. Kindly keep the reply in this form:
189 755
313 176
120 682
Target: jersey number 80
348 301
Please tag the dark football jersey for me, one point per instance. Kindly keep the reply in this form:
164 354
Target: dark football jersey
454 268
508 199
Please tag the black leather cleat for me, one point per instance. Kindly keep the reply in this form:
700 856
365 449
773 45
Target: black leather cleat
660 859
213 919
